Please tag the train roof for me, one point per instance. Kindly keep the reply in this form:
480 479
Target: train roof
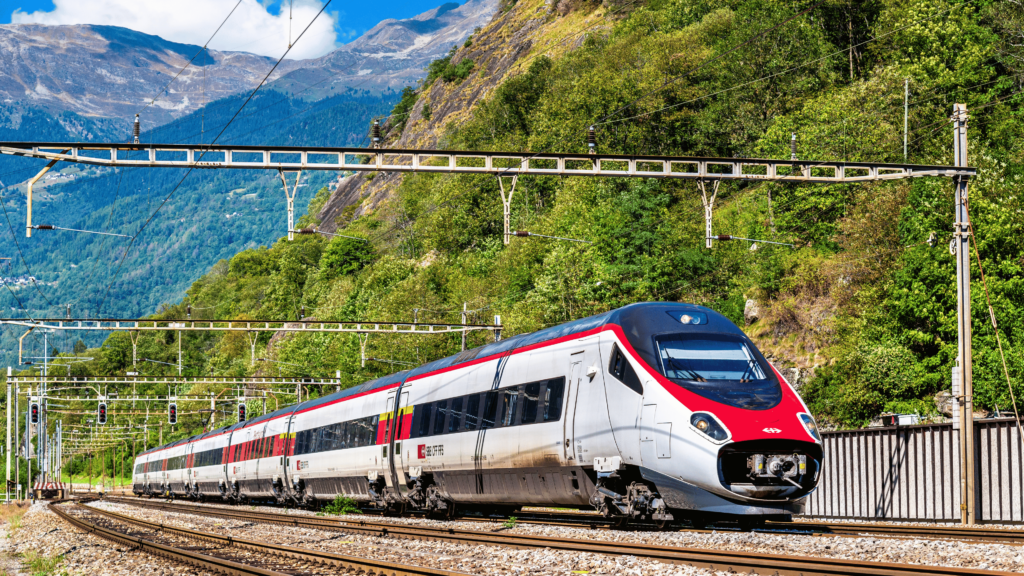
636 321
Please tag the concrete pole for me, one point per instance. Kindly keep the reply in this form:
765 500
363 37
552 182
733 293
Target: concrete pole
961 245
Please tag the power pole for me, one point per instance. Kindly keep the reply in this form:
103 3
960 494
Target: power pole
961 245
7 447
464 309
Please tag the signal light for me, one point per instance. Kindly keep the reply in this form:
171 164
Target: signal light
101 413
241 412
35 413
172 414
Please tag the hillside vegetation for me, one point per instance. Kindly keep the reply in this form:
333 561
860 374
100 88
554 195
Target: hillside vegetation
862 309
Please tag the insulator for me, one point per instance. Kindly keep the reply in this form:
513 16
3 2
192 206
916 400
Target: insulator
522 233
592 140
303 313
724 237
135 129
188 311
44 227
305 231
792 147
375 132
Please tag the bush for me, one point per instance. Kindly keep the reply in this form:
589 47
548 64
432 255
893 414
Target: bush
400 113
345 256
341 506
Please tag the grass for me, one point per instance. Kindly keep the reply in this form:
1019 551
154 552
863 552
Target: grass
510 523
39 565
12 513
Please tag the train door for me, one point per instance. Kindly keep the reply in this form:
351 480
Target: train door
399 459
571 391
264 466
386 453
190 449
624 392
591 430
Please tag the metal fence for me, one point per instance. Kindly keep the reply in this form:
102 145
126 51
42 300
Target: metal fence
913 473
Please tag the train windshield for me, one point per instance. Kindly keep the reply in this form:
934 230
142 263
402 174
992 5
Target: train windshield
720 368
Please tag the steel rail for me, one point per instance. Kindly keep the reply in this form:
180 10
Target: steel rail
496 163
742 562
211 563
353 563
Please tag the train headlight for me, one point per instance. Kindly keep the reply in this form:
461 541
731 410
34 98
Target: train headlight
707 424
809 425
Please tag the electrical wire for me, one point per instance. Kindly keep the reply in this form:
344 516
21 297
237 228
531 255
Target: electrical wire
193 58
117 272
995 326
22 254
708 61
770 76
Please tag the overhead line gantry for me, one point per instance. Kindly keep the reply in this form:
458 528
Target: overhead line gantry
500 164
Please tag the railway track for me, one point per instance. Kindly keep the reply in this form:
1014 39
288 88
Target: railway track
740 562
593 521
226 554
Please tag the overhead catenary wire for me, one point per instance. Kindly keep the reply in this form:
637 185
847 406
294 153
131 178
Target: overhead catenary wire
190 170
52 227
995 325
189 63
770 76
708 61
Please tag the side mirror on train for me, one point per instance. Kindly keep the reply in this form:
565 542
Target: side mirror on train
592 371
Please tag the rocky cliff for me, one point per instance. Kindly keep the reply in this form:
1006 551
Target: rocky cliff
512 39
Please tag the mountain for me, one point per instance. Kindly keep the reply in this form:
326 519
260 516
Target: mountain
393 54
112 72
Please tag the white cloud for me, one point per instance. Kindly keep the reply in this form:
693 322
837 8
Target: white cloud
252 28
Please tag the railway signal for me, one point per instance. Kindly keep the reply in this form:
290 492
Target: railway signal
241 411
101 413
34 410
172 413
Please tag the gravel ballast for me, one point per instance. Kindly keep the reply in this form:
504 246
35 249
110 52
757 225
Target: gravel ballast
43 533
498 560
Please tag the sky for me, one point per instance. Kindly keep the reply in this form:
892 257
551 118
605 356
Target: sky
257 26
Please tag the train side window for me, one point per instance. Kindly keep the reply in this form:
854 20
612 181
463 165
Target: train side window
440 412
421 420
509 405
472 411
531 398
553 398
490 415
455 418
623 371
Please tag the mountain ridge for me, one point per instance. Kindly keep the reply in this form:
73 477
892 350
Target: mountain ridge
113 72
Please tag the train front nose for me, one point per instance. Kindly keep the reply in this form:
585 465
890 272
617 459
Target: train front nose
769 469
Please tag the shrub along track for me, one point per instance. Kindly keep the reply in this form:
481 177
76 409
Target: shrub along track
226 554
728 561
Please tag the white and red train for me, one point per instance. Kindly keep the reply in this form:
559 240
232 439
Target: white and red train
653 411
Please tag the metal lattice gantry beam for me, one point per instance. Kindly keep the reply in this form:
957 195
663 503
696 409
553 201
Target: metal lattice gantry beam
295 158
137 325
248 381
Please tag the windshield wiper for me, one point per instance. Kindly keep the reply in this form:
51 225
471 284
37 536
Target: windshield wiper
693 374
